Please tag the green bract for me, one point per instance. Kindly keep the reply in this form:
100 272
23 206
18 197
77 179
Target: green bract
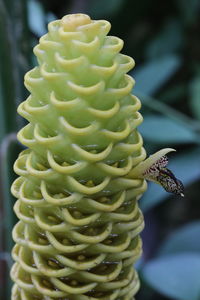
77 237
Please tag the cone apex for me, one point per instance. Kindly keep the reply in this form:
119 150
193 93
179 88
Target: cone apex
72 21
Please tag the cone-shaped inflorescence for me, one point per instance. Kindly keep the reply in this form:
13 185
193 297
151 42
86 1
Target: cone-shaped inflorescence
78 234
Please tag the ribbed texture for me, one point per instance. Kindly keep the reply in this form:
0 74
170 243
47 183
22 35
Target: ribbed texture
77 237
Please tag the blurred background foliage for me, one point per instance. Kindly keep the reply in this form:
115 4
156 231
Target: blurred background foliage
163 38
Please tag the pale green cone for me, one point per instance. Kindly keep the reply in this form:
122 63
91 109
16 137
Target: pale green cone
78 234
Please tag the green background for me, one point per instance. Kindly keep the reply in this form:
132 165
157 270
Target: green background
163 38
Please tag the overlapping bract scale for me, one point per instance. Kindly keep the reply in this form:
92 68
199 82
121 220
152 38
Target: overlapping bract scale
78 234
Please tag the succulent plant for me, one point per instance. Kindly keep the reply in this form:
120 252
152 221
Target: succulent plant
83 171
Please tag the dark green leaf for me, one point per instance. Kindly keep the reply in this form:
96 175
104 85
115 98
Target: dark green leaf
185 239
169 39
36 18
153 196
176 276
189 10
153 75
174 93
2 121
159 129
50 17
195 97
97 8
